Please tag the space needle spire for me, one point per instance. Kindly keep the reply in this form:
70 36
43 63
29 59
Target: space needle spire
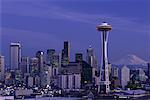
104 28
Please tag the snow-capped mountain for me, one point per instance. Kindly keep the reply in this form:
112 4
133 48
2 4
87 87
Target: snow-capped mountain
131 60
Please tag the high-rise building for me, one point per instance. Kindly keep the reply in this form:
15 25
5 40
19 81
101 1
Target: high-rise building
24 67
40 56
15 55
90 56
50 53
142 75
78 57
86 74
56 64
91 59
2 68
53 60
65 54
56 60
104 74
148 70
125 76
48 74
33 66
115 72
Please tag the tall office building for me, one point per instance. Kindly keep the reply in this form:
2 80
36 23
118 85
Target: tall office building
2 68
90 56
142 75
65 54
40 56
148 64
91 59
56 64
53 59
33 66
50 54
115 72
78 57
56 60
24 66
15 55
125 76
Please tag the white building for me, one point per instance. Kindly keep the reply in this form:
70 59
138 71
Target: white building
70 81
142 76
15 55
2 68
125 76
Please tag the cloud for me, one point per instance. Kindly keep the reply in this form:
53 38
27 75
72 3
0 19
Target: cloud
50 11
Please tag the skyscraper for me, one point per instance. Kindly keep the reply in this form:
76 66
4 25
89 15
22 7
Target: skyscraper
40 56
65 54
78 57
50 53
53 59
115 72
148 64
142 75
90 56
15 55
91 59
2 68
33 66
125 76
56 64
24 67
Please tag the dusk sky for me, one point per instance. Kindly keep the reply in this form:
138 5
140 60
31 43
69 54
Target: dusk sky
44 24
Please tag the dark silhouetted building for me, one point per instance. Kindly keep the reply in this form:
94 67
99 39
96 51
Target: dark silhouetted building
148 70
40 56
65 54
78 57
50 53
24 67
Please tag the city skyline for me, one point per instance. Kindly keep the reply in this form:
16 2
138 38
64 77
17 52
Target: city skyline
53 22
85 49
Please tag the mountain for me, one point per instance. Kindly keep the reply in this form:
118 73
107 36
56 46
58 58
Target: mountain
131 60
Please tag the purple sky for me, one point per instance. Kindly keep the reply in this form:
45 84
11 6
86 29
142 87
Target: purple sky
43 24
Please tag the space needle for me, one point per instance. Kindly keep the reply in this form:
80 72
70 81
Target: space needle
104 28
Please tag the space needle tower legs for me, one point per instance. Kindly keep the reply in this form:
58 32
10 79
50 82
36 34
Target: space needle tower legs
104 28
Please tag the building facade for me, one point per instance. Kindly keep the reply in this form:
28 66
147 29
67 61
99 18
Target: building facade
40 56
69 81
15 55
2 68
65 57
125 76
24 67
